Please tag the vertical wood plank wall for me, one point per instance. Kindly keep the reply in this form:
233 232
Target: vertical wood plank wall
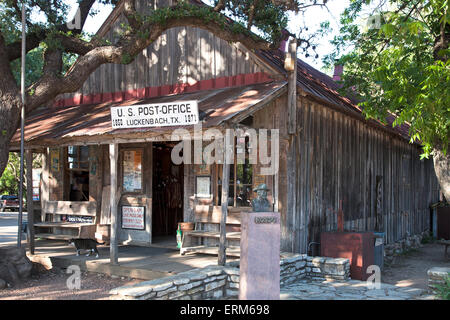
339 158
179 55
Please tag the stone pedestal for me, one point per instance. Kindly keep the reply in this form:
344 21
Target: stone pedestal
260 256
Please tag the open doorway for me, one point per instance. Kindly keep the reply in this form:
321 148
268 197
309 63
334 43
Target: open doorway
167 208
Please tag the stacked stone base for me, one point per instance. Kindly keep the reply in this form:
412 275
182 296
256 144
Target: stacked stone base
437 277
397 248
199 284
320 268
216 282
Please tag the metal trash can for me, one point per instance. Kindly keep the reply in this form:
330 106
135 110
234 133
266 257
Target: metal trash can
379 249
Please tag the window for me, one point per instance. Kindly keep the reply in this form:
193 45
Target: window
78 171
78 157
240 191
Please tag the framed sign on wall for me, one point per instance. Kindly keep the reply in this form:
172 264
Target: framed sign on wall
133 218
54 160
203 186
132 170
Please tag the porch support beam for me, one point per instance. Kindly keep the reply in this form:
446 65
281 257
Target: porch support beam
30 209
114 247
291 67
228 148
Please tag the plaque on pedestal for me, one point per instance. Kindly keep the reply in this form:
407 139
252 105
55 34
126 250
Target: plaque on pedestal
260 256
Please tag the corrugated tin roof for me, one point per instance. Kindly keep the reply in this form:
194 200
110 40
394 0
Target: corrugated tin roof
323 87
56 125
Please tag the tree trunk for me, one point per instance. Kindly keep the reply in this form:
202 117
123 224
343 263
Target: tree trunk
442 168
10 106
14 265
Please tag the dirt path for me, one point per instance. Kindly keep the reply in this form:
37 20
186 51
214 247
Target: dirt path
410 269
52 285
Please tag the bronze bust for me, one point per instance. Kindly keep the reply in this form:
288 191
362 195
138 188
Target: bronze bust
261 203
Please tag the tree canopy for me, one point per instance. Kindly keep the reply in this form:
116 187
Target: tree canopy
399 65
395 56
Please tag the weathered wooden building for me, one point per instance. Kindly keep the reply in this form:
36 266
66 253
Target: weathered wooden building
95 176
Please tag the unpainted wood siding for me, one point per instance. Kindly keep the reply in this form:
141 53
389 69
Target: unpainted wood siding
180 55
338 158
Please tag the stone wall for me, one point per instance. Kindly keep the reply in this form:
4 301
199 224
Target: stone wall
320 268
212 282
292 268
437 276
216 282
397 248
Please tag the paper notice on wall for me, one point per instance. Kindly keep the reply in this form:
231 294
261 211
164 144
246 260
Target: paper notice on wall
132 170
133 218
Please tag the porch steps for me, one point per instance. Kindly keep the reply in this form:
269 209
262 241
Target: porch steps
214 234
232 251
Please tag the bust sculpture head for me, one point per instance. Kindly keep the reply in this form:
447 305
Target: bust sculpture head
261 203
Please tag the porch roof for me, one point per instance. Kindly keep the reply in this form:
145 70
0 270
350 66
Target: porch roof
92 123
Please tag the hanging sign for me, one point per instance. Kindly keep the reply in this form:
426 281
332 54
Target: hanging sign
165 114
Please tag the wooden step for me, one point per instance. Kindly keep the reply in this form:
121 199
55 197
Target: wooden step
51 236
231 251
62 225
213 234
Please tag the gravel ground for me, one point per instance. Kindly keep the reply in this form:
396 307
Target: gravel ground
52 285
407 270
410 268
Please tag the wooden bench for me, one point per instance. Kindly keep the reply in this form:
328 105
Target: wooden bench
193 241
58 229
446 243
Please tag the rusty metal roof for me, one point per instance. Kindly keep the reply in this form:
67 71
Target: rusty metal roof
320 86
60 125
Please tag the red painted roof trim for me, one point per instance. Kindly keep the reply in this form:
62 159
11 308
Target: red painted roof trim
178 88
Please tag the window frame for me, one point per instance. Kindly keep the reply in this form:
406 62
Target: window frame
78 156
218 173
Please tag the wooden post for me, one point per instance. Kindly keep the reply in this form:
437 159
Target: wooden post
45 182
30 209
228 148
114 248
291 67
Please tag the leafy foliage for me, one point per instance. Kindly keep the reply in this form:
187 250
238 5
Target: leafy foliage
10 179
443 290
268 18
396 66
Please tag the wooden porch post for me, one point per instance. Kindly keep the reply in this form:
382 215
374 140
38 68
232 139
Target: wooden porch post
291 67
30 209
114 248
228 150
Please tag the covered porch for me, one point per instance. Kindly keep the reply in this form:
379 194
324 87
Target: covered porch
137 262
96 204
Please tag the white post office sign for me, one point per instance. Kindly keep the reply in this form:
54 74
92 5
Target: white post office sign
165 114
